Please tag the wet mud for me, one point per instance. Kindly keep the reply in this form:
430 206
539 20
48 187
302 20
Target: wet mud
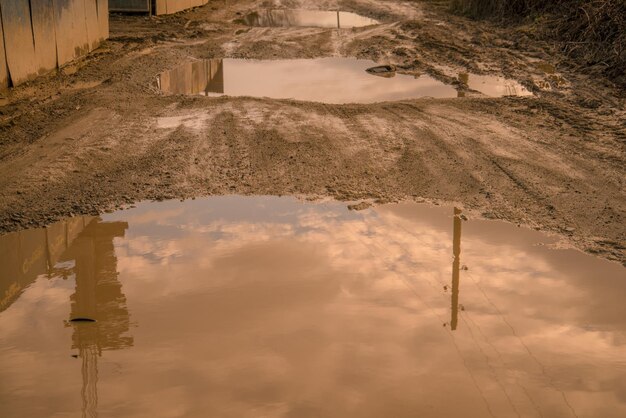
103 136
248 306
494 86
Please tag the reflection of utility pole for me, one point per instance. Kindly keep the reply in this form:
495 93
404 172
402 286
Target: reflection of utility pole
464 79
338 25
99 315
89 391
456 249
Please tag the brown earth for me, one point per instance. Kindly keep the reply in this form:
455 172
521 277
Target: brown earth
99 135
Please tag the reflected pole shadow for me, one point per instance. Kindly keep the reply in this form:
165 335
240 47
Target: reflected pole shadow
456 249
98 296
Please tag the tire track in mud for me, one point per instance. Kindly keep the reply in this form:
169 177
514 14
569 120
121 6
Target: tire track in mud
512 158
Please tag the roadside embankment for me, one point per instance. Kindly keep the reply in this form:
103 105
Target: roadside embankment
592 32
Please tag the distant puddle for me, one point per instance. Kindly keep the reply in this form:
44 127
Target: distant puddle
264 306
328 80
306 18
494 86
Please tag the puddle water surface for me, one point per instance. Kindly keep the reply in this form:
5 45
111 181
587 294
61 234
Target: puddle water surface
328 80
306 18
261 306
494 86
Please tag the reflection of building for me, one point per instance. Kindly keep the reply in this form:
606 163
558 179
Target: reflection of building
198 77
456 249
25 255
82 247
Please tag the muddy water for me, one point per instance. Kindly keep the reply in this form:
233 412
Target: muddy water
494 86
328 80
258 306
306 18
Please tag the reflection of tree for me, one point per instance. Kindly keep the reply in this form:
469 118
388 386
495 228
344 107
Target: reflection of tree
98 296
456 249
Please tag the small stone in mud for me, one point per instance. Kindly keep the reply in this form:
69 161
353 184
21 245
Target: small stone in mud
360 206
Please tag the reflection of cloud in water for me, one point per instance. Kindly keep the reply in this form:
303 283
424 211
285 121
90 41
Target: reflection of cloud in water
371 256
264 306
327 80
306 18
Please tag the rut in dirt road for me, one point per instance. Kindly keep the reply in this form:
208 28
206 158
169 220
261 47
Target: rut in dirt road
104 136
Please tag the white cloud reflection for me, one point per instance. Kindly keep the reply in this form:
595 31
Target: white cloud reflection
271 307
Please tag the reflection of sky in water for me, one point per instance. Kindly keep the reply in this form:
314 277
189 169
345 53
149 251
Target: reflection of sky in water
329 80
275 307
496 86
312 18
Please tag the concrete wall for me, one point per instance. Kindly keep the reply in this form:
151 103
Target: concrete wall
163 7
41 35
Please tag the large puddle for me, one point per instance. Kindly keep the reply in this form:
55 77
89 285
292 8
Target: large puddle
264 306
306 18
328 80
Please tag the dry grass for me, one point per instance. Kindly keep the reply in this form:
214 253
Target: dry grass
497 8
592 31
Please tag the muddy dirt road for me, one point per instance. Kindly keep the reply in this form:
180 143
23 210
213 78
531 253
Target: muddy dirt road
100 135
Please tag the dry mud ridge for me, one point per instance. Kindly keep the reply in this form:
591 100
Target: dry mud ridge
100 136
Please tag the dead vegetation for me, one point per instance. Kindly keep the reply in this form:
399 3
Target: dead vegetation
591 31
